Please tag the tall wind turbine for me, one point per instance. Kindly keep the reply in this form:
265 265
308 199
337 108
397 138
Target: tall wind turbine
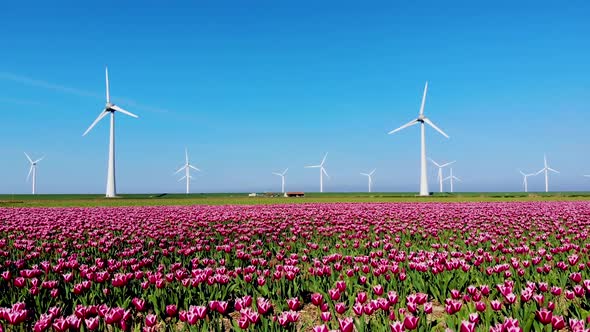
33 170
370 176
451 177
282 175
525 180
546 169
187 168
421 120
322 172
110 109
440 172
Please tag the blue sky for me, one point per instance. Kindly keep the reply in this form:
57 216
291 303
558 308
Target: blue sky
252 87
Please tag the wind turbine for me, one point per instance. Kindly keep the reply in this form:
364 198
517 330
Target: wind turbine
421 120
440 172
282 175
451 177
546 169
33 170
370 176
525 181
110 108
322 172
187 168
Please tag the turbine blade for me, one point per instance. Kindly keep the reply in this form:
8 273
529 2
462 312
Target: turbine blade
180 169
186 155
434 162
193 167
315 166
456 178
38 160
182 178
30 160
430 123
30 171
373 171
411 123
539 172
119 109
552 170
424 98
449 163
106 73
285 171
365 174
521 172
325 173
279 174
100 116
545 159
324 159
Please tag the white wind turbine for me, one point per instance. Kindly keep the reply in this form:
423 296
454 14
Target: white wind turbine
440 172
110 109
421 120
33 171
187 168
370 176
546 169
282 175
525 180
451 177
322 172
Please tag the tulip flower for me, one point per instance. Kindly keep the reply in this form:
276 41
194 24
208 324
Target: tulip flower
467 326
346 324
411 322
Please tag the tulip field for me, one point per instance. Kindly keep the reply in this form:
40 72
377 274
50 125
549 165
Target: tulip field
497 266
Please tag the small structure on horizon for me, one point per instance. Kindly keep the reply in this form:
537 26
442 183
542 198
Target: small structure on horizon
295 194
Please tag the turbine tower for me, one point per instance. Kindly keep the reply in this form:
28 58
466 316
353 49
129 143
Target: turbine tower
282 175
110 109
546 169
421 120
451 177
33 171
322 172
525 180
440 172
187 170
370 176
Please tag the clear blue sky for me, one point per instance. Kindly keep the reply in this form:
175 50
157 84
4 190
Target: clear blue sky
252 87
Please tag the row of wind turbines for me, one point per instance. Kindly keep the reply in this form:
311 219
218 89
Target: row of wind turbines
369 175
111 109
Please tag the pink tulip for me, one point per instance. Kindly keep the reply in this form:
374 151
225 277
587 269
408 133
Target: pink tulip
346 324
411 322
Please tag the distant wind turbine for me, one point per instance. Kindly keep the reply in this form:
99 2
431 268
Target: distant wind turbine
421 120
440 172
451 177
546 169
322 172
187 172
525 180
110 109
370 176
33 171
282 175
